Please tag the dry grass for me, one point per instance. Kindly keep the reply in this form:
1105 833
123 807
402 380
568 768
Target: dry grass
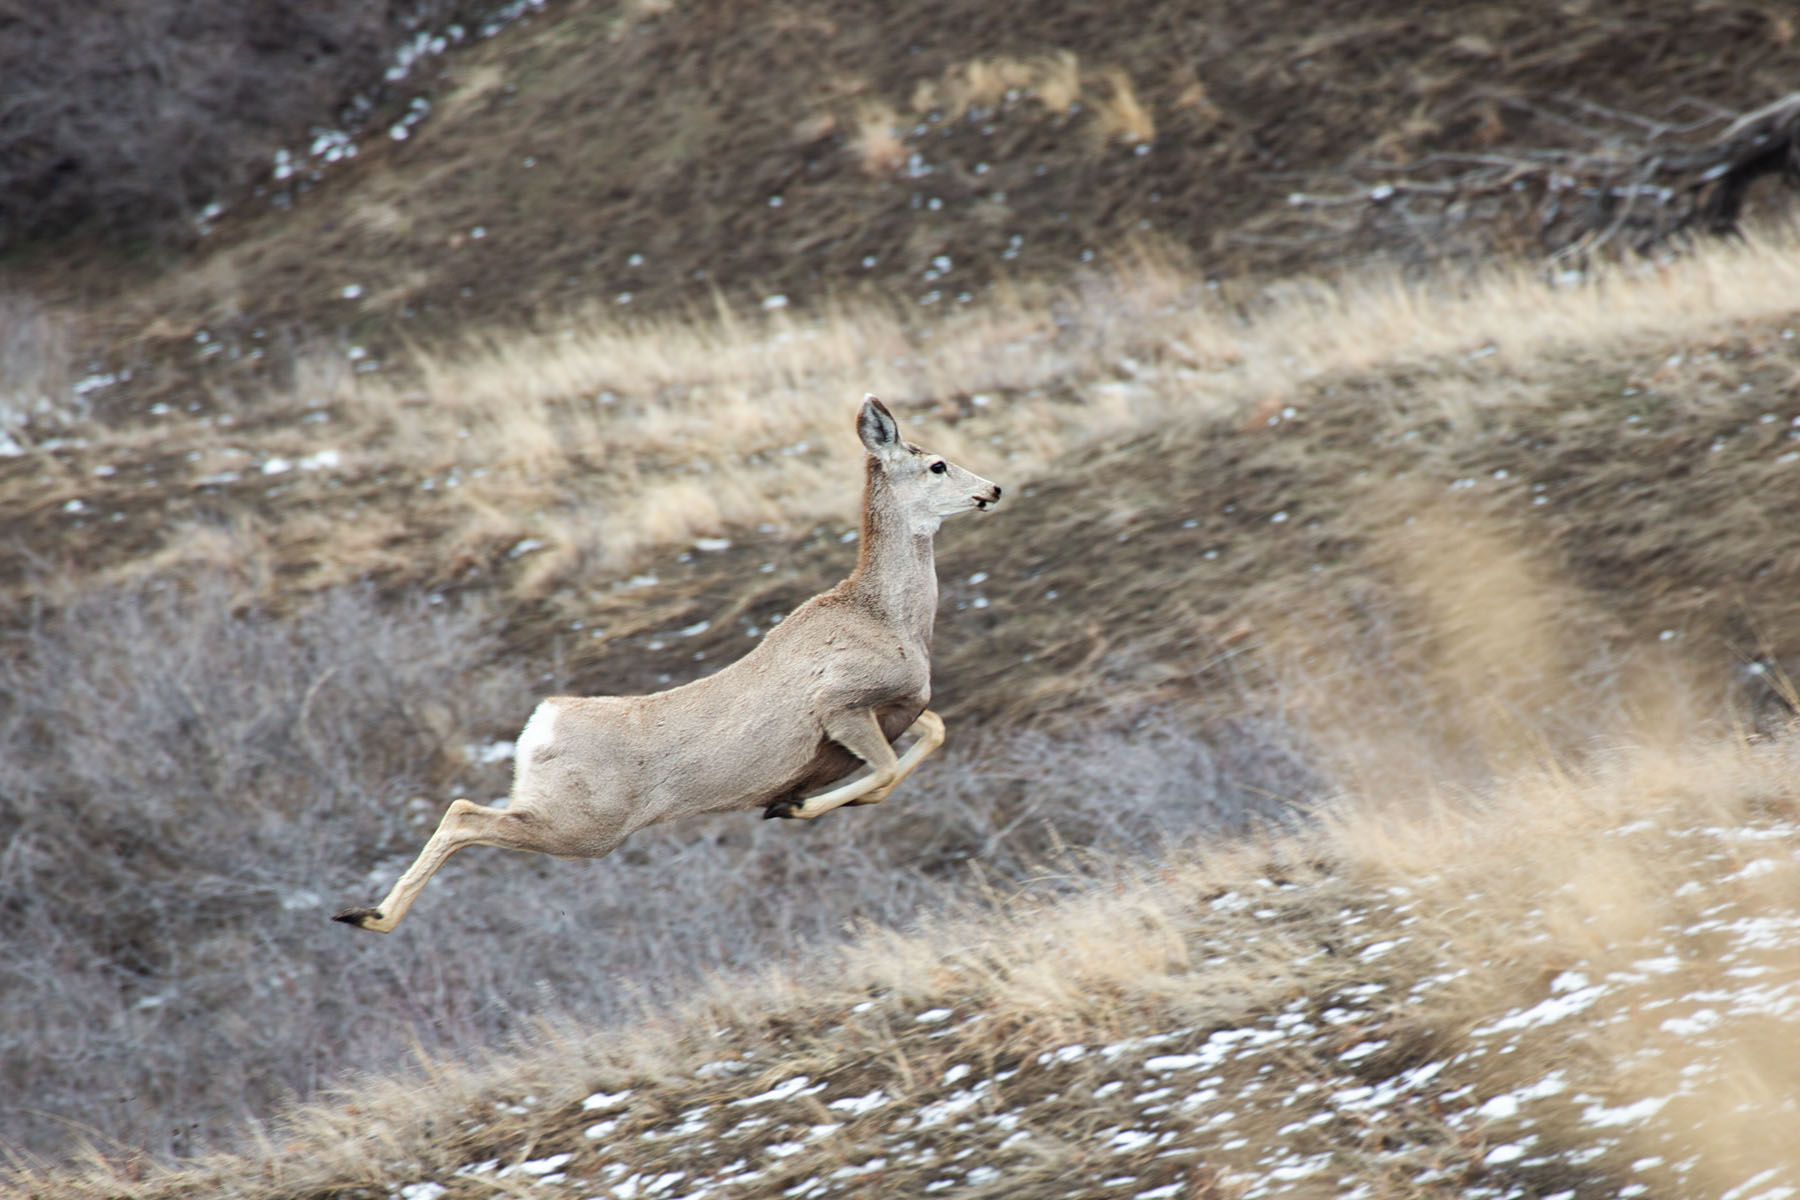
190 784
877 141
1597 875
1530 800
1476 654
604 443
665 431
1404 995
1051 80
1534 806
1121 114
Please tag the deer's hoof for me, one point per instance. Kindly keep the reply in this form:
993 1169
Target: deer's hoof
783 809
359 917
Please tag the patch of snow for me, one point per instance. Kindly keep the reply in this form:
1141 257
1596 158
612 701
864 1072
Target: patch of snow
1576 994
1697 1022
856 1106
543 1166
604 1100
713 1070
1066 1054
786 1090
1625 1114
489 752
1419 1076
1499 1108
1747 1189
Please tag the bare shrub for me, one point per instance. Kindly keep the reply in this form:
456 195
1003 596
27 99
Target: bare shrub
176 781
1623 184
187 789
126 117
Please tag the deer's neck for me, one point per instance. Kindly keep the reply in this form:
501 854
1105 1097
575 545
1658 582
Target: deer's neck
896 570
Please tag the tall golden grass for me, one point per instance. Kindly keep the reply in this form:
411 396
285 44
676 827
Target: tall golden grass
608 438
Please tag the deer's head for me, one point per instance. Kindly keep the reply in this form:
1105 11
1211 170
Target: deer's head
923 487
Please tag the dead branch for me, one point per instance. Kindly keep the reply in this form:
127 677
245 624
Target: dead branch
1635 184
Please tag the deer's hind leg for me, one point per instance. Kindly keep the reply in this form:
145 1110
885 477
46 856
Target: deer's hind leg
464 824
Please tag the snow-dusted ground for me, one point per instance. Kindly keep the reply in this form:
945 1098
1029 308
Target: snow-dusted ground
329 145
1623 1081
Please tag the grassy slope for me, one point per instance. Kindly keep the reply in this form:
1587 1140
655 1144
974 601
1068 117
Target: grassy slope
1150 430
1586 989
1330 503
919 151
1431 622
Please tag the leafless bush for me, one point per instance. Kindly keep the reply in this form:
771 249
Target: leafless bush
187 790
178 780
126 116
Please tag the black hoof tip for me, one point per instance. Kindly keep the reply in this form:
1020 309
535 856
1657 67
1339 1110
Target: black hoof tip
780 809
358 917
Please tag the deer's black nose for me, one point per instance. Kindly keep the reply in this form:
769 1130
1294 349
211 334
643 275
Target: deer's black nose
996 491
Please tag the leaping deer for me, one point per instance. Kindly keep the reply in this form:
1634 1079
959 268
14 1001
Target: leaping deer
827 690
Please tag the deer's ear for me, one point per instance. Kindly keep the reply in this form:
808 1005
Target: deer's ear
876 426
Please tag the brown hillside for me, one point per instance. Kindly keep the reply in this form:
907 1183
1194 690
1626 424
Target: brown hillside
299 525
634 155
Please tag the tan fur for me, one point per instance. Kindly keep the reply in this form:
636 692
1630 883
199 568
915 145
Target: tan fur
826 691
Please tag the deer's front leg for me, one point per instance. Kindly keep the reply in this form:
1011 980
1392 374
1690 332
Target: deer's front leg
860 733
929 729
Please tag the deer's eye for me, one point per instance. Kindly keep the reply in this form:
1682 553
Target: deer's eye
938 467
